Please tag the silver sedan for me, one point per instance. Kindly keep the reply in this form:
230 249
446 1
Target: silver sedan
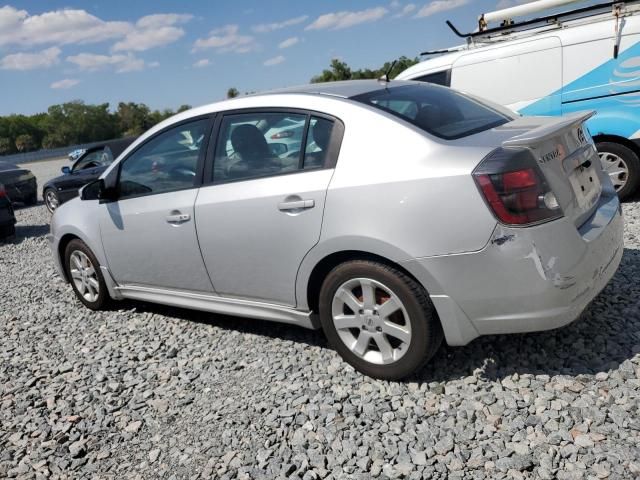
406 214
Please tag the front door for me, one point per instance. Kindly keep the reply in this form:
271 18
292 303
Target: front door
149 234
263 212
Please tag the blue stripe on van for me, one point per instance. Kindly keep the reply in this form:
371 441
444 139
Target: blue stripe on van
616 87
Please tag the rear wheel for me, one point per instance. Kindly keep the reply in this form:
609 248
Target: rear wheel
83 270
51 199
622 165
378 319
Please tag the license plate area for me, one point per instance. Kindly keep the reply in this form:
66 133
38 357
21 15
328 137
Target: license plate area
585 182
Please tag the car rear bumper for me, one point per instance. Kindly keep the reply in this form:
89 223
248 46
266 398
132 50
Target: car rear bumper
527 279
22 191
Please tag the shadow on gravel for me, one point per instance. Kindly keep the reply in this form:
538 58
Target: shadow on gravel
30 231
239 324
24 206
607 334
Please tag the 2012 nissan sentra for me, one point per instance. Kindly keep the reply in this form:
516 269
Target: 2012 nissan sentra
412 212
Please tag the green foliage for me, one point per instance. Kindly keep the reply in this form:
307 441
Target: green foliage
341 71
232 92
6 146
25 143
75 123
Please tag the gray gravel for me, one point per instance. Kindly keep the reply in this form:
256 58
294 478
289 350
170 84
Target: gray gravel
146 391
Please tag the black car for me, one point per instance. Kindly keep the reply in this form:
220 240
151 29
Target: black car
7 218
20 183
87 168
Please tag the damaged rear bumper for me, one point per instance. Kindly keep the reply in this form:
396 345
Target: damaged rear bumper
527 279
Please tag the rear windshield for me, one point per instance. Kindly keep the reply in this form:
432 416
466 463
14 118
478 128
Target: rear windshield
437 110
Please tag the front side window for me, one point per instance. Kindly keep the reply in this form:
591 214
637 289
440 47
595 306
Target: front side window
165 163
437 110
252 145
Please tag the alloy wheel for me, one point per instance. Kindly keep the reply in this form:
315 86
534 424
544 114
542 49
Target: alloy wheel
371 321
51 199
84 276
616 168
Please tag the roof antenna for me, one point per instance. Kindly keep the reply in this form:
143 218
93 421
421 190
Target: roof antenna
385 77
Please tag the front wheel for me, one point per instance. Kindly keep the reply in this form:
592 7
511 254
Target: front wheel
379 320
622 165
83 270
51 199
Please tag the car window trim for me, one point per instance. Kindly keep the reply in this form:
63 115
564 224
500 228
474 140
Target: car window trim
211 117
330 161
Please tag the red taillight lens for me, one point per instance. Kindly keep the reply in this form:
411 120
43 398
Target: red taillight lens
283 134
515 189
3 192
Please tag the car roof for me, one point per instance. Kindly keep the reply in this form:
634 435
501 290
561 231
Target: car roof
343 89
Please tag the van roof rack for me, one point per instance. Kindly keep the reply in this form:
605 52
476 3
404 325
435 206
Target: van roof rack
438 52
507 26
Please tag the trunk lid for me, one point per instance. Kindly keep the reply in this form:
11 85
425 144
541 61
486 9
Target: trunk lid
569 161
565 154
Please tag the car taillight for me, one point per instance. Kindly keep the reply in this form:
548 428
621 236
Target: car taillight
515 188
3 192
283 134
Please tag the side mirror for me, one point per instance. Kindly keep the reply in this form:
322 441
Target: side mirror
97 190
91 191
65 170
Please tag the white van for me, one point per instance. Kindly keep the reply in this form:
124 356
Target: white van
582 59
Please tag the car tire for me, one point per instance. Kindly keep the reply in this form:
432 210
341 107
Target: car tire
7 231
85 276
380 339
619 158
51 199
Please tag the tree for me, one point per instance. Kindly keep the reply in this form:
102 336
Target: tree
232 92
6 146
341 71
184 108
25 143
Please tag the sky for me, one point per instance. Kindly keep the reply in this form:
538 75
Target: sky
166 53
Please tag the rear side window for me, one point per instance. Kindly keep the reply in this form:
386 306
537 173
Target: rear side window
437 110
438 78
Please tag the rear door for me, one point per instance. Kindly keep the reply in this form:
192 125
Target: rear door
262 211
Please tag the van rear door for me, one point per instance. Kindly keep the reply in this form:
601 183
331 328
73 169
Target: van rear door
514 74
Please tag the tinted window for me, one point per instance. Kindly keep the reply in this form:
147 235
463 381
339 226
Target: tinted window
165 163
439 78
258 144
90 160
317 150
437 110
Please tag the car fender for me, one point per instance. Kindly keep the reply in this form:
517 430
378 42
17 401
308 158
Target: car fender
352 243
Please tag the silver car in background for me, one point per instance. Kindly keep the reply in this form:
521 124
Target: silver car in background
412 213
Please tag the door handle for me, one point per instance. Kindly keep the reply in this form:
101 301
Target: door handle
296 205
178 218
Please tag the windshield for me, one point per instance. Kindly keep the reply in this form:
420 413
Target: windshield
437 110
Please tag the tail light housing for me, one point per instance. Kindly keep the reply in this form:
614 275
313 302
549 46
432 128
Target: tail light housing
515 189
3 192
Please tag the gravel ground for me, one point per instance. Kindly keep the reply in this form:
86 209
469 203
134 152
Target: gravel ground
147 391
